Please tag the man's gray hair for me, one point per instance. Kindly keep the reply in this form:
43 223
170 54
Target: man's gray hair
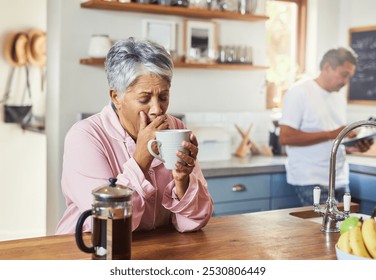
129 59
337 57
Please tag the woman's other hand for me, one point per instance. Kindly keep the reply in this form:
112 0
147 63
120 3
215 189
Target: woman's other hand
184 168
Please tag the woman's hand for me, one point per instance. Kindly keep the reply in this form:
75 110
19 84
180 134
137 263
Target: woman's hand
146 133
184 168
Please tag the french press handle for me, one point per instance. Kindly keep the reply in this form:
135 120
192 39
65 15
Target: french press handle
79 241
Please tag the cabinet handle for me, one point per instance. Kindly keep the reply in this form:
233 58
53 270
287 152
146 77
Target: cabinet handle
239 188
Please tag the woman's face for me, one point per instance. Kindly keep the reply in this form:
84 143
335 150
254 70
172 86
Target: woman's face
149 94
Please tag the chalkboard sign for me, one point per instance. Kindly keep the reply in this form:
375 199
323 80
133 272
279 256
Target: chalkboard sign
362 88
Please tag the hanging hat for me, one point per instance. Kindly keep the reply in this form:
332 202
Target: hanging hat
36 48
15 49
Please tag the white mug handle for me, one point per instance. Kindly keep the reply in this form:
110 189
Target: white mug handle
150 142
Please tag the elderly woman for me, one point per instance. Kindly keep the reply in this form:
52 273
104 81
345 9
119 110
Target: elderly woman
113 143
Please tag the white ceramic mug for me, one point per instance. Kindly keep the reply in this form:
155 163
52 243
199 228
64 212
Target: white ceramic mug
168 142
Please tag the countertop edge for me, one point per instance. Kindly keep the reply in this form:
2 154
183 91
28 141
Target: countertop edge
266 165
238 171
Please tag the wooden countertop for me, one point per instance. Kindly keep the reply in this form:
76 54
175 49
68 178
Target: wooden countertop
270 235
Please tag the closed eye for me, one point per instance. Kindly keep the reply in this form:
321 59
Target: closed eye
164 97
144 98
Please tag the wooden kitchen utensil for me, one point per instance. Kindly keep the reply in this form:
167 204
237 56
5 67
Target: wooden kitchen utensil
245 145
254 149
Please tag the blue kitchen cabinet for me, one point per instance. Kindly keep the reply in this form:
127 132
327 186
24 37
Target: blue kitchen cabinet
239 194
251 193
282 194
363 191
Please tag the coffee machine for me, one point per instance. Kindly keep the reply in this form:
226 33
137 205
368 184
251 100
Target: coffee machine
274 143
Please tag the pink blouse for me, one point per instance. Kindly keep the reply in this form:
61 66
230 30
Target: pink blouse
98 148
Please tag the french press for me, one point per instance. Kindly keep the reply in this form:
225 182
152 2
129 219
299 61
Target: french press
111 223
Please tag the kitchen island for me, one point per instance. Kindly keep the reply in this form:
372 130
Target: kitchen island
269 235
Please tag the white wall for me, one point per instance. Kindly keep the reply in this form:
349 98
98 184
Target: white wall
22 154
322 31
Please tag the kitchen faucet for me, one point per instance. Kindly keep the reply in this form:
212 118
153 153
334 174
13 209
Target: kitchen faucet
331 215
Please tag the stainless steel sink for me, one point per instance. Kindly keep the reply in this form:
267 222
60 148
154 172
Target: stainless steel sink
308 215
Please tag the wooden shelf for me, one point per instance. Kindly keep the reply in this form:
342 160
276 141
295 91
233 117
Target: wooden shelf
176 11
93 61
219 66
169 10
179 64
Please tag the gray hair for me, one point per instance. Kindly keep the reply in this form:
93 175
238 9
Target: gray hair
129 59
337 57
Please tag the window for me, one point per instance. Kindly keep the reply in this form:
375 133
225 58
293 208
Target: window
286 39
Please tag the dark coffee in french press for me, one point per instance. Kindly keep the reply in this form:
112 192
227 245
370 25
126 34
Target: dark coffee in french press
111 223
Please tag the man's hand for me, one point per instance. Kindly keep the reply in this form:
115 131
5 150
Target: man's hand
360 146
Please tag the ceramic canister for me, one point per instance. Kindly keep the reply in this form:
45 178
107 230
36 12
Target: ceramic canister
99 46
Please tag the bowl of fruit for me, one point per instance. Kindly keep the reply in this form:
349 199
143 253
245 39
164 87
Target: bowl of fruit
342 255
358 239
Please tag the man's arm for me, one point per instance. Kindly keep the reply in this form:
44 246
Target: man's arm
294 137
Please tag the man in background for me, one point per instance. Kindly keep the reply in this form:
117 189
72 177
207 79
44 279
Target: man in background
313 114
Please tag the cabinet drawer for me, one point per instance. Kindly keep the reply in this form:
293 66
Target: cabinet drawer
228 189
240 207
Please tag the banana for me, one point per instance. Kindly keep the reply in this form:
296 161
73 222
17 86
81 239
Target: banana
344 243
357 244
369 236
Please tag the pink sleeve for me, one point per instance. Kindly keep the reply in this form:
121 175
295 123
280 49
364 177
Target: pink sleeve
134 178
86 167
195 208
